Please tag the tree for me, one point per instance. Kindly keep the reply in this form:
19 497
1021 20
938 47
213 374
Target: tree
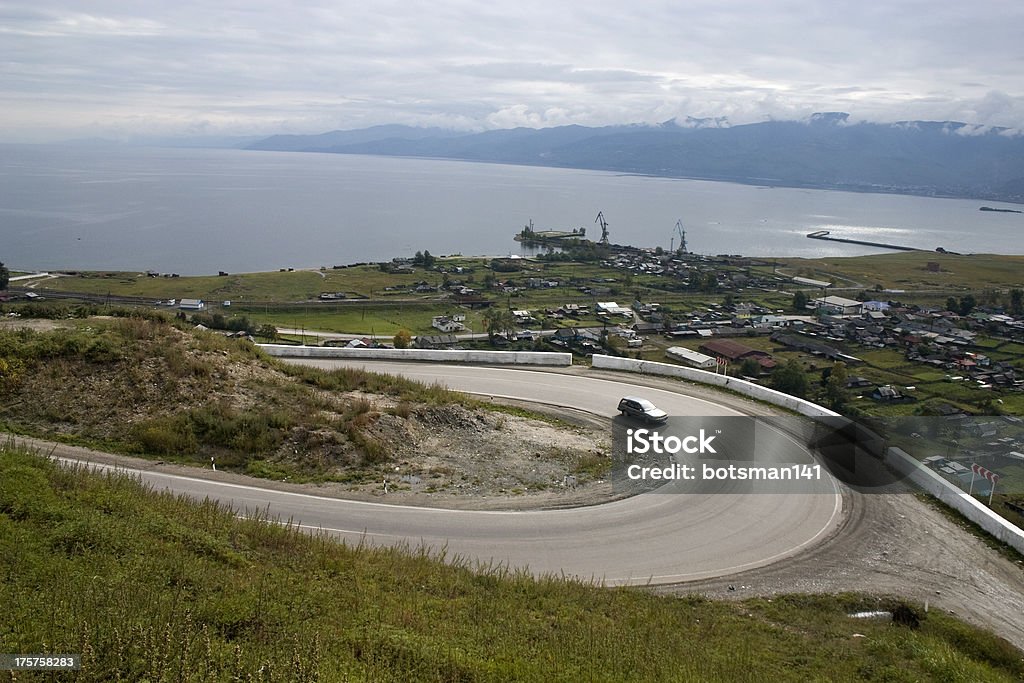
1016 297
729 300
952 305
790 378
710 283
498 321
267 332
403 339
5 276
799 302
835 386
967 304
750 368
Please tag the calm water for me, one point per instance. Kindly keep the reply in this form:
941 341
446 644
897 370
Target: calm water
200 211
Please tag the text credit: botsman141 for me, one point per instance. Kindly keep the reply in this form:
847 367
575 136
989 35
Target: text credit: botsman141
643 441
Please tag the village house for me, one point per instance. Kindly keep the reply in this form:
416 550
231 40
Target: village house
734 352
447 324
436 341
694 359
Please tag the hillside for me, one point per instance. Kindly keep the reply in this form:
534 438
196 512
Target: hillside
148 586
826 151
150 387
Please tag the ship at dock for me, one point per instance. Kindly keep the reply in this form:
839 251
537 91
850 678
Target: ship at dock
530 235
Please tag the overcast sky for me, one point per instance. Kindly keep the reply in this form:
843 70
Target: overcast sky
113 68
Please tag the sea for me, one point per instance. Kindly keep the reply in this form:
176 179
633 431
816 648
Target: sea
201 211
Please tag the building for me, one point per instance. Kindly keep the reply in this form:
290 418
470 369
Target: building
692 358
820 284
838 305
734 352
648 328
436 341
612 308
446 324
191 304
889 394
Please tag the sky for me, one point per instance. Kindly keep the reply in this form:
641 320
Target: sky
133 68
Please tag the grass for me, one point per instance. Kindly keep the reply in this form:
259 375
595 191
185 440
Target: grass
908 270
145 386
149 586
383 321
243 287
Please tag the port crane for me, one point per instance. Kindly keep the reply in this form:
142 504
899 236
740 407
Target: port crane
604 227
682 237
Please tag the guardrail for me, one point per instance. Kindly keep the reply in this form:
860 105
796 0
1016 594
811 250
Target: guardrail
901 461
545 358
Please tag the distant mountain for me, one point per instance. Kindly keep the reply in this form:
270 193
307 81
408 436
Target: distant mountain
825 151
189 141
325 142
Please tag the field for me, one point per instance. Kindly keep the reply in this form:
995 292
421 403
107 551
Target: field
909 271
368 319
148 586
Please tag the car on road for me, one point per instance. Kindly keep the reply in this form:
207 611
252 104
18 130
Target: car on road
642 409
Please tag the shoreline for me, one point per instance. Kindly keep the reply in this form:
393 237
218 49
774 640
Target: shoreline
28 273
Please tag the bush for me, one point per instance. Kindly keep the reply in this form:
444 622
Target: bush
166 436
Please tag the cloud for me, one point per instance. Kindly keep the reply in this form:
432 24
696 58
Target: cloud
260 66
555 73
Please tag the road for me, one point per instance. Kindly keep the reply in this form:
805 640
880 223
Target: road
891 544
650 538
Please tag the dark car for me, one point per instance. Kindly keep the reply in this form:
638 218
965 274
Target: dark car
642 409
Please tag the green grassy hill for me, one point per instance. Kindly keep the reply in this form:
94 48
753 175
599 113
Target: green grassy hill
150 587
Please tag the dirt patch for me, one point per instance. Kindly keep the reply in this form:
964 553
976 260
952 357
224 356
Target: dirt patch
449 454
34 324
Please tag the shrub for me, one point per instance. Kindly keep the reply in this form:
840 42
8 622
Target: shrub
166 436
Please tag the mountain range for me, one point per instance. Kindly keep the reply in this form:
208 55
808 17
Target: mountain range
825 151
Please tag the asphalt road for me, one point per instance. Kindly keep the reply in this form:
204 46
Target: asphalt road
649 538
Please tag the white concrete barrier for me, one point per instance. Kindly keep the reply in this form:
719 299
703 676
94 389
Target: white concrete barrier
547 358
901 461
741 386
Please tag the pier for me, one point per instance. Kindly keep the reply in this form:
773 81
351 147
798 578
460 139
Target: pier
824 235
